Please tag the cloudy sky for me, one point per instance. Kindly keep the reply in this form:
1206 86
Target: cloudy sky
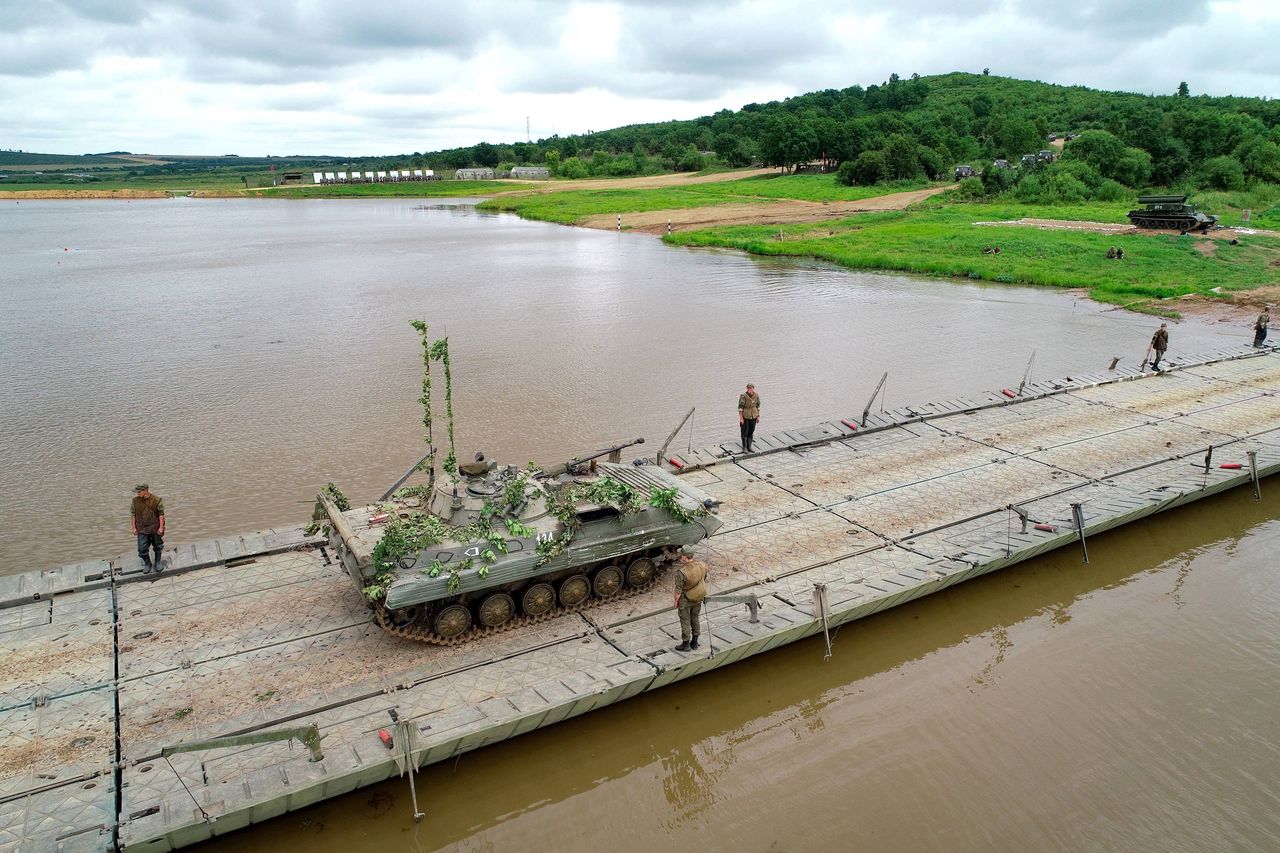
321 77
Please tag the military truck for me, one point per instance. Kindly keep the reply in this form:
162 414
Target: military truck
965 172
1171 211
491 547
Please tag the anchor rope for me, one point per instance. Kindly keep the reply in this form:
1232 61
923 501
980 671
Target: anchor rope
204 814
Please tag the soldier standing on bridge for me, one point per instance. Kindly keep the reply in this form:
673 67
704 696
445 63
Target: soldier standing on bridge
1260 326
146 519
748 415
1159 343
691 589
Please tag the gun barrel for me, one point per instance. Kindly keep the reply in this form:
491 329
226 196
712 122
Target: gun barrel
615 450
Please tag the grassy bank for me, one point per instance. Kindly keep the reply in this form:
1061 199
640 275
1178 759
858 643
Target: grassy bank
1262 201
941 239
572 206
198 182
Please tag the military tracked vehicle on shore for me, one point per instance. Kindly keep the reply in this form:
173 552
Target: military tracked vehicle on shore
1171 211
491 547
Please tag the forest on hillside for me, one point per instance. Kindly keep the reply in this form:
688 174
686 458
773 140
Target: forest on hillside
925 126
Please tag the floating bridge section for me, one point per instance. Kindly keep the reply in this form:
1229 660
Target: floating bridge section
102 667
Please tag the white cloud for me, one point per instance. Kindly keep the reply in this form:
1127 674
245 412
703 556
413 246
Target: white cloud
309 76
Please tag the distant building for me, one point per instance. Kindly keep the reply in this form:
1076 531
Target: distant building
290 177
531 173
484 174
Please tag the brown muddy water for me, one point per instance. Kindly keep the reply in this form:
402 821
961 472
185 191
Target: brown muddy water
239 354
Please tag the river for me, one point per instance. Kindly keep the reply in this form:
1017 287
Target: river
239 354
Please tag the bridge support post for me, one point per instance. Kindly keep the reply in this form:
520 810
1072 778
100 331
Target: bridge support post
1077 515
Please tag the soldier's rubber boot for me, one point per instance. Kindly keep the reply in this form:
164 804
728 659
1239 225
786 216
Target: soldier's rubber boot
693 644
683 647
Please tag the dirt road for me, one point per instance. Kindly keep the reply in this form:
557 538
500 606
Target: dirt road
679 179
762 212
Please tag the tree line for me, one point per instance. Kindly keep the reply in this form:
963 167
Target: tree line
924 126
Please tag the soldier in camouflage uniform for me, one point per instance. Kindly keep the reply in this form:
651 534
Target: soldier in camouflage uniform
1159 343
691 589
748 415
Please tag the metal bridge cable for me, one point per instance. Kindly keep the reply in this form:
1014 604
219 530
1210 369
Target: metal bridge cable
181 782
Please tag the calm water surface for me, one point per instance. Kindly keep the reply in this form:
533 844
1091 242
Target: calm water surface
239 354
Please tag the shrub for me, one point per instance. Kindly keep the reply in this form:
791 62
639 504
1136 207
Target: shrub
574 168
867 169
1063 186
970 189
901 157
1260 159
1030 189
1079 170
1222 173
691 160
930 161
1110 190
997 180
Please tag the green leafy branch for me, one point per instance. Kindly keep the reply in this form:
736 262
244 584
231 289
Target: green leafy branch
666 498
318 515
440 353
425 399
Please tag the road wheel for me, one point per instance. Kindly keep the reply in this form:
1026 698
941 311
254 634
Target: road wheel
453 621
538 599
574 590
607 582
641 571
496 610
406 615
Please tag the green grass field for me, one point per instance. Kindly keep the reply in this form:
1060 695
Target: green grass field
571 206
1263 203
939 238
220 181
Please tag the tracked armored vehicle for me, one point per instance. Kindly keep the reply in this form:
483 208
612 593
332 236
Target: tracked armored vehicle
1171 211
492 547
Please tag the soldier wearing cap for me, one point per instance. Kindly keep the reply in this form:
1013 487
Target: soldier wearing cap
748 415
146 519
1260 326
1159 343
691 589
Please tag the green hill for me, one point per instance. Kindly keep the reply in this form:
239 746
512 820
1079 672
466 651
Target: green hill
927 125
